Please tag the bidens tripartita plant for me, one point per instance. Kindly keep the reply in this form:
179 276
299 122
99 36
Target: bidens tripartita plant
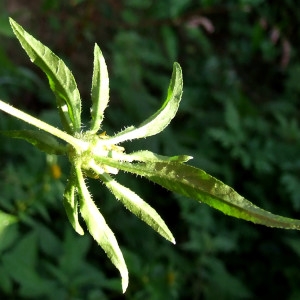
92 153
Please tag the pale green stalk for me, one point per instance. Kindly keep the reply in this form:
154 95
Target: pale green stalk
76 143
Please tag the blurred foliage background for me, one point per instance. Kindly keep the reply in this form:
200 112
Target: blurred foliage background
239 118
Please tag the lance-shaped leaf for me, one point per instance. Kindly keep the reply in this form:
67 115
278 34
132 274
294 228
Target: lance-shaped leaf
197 184
142 156
40 139
71 203
138 206
99 229
100 90
60 78
161 119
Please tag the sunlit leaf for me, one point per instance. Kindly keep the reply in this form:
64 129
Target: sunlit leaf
161 119
100 89
60 78
98 228
138 206
197 184
148 156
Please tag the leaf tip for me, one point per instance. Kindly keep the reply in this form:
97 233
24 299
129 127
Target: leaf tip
169 236
176 64
125 281
13 23
79 230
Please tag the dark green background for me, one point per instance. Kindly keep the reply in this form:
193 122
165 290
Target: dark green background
239 119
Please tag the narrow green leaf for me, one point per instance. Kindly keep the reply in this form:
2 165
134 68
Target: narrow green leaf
161 119
197 184
99 229
148 156
100 90
60 78
138 206
71 204
40 139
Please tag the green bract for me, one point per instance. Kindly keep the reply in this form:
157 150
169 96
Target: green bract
96 155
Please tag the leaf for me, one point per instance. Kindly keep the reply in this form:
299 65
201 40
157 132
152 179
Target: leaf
71 203
20 263
23 256
161 119
100 89
9 232
197 184
138 206
6 220
40 139
99 229
148 156
61 79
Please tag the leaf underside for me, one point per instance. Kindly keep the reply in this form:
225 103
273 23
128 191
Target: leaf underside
138 207
99 229
161 119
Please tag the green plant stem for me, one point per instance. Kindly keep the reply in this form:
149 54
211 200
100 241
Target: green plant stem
76 143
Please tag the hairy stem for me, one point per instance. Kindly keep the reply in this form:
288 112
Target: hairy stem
76 143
